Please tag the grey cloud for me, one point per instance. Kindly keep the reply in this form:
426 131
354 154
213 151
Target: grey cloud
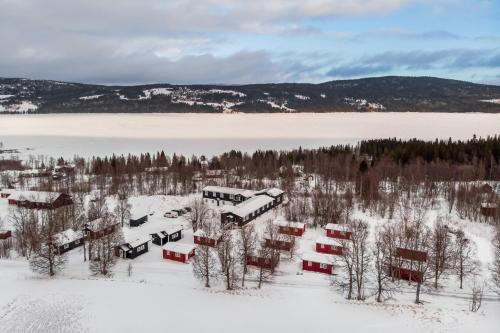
387 62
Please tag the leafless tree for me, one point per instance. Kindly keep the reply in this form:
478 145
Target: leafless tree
199 213
205 264
347 264
247 242
102 258
227 258
382 254
476 297
440 253
46 258
360 254
464 256
122 209
495 268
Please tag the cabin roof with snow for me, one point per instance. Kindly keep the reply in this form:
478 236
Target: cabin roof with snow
249 206
201 233
35 196
319 258
171 229
283 223
66 236
230 190
339 227
138 242
274 192
8 191
179 248
328 241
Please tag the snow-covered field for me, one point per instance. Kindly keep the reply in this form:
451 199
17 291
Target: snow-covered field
101 134
163 295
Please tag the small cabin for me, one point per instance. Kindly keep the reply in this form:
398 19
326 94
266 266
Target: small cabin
339 231
39 199
5 234
329 246
170 235
200 237
291 228
318 262
95 229
132 250
266 263
405 264
488 209
138 220
280 244
178 252
67 240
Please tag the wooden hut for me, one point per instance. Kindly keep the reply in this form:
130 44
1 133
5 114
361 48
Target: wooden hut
133 249
67 240
329 246
201 238
178 252
172 234
339 231
318 262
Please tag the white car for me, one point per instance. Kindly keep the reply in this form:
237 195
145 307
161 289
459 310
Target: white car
171 214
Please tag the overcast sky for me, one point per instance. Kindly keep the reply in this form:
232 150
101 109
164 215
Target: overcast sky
248 41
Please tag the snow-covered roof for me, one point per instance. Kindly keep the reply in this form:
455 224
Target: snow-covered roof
319 258
8 190
66 236
35 196
249 206
202 233
328 241
173 229
274 191
138 241
94 225
283 223
230 190
334 226
179 247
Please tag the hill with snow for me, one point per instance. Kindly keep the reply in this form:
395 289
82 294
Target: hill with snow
393 94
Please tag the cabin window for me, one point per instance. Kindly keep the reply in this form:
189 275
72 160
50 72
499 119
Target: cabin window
66 246
309 263
140 248
231 196
177 254
77 241
322 266
322 246
168 253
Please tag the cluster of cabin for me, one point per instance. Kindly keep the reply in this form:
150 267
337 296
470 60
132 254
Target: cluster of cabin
241 205
405 264
327 247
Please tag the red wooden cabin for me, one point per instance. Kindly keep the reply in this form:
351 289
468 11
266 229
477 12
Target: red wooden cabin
339 231
178 251
406 263
201 238
267 263
329 246
407 274
39 199
291 228
488 209
319 263
278 244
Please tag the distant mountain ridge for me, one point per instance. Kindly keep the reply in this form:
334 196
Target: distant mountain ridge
390 93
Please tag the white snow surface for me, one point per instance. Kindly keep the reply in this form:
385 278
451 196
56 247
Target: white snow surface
22 107
293 301
90 97
302 97
494 101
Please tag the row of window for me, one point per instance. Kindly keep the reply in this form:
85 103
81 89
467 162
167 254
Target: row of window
177 254
322 266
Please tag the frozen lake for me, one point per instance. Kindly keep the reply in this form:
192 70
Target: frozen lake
101 134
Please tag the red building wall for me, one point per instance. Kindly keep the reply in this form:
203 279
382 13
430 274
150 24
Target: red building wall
205 241
338 234
329 249
180 258
316 267
291 231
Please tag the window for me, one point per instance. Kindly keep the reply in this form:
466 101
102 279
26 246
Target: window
66 246
309 263
231 196
322 246
168 253
322 266
77 242
177 254
140 248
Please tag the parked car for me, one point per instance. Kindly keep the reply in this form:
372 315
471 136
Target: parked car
171 214
187 209
180 211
